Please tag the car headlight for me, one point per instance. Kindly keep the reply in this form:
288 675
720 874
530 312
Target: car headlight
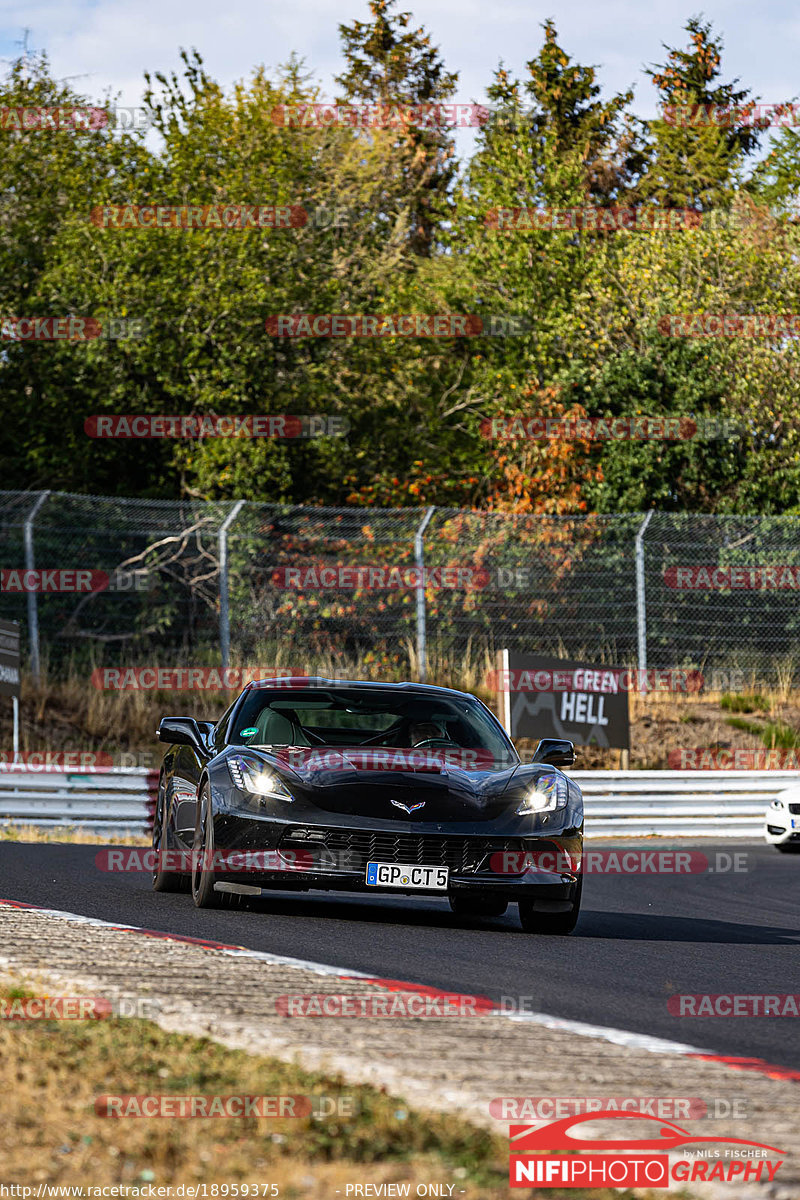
777 804
550 791
249 776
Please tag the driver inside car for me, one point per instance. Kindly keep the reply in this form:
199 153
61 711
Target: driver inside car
423 731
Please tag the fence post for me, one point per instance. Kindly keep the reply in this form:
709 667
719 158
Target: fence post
419 559
224 610
503 690
33 612
641 603
15 731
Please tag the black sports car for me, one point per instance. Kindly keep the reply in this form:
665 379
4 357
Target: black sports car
368 787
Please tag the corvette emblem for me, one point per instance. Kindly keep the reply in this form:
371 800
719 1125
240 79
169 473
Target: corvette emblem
406 807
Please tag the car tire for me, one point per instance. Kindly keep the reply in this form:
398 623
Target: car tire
537 920
203 892
163 881
478 906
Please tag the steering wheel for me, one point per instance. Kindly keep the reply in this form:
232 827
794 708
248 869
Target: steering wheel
435 741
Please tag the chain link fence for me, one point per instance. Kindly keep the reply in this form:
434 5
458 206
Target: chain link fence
399 591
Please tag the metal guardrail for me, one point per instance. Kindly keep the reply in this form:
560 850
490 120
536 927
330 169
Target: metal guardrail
110 800
715 804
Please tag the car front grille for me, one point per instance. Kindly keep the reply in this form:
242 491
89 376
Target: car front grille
463 855
794 808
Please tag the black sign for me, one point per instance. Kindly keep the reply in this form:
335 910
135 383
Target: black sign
9 658
559 698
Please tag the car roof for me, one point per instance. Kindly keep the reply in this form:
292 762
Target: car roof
315 681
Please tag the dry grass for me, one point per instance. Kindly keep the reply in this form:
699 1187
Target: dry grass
51 1072
72 715
74 835
663 722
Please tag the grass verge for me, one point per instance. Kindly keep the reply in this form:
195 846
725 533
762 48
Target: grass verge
73 834
70 716
52 1071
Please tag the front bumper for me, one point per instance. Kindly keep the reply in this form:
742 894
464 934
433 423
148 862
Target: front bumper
778 829
538 865
782 822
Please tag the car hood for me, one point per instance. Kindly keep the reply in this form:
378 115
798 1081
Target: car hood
360 784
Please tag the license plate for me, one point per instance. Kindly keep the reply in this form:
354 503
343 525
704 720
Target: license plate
795 824
402 875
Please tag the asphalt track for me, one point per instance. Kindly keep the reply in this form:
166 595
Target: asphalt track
640 939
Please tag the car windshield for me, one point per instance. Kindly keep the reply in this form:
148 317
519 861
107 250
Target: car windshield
363 717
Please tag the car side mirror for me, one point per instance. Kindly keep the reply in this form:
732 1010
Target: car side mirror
182 731
555 751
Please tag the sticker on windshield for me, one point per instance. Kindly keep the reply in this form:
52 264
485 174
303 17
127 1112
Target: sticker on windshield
251 729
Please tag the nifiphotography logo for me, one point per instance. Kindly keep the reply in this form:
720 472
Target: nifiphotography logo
610 1162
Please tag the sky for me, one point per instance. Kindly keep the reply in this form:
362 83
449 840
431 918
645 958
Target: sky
110 43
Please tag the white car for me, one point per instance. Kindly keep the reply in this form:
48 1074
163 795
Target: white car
782 828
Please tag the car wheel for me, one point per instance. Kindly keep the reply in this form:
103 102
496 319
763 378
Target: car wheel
163 881
478 906
536 920
203 892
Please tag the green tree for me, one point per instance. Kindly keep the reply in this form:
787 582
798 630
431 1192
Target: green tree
551 143
395 67
50 179
746 387
707 131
